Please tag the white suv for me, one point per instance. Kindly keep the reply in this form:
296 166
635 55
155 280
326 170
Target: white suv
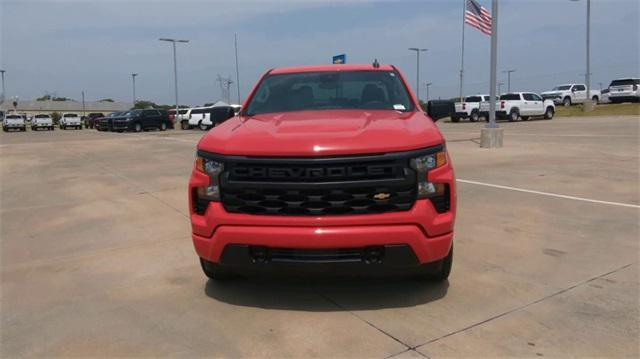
41 121
70 120
624 90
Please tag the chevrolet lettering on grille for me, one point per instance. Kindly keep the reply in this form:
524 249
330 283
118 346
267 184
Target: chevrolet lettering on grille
316 173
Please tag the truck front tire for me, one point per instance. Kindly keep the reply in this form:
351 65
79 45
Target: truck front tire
548 114
567 101
214 271
455 119
438 271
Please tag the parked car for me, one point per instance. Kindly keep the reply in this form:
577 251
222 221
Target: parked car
196 117
326 166
469 108
70 120
181 113
139 120
105 123
90 119
624 90
13 121
42 121
571 94
520 105
207 117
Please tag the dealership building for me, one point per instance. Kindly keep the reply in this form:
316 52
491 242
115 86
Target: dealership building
34 107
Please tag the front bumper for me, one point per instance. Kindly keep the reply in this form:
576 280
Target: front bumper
426 232
120 125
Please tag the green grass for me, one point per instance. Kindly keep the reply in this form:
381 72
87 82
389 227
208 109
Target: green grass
622 109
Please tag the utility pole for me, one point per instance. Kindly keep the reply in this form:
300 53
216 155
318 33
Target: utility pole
235 38
418 51
3 91
508 72
428 84
83 108
225 87
133 77
175 67
491 135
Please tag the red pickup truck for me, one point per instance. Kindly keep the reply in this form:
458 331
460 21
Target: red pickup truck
326 166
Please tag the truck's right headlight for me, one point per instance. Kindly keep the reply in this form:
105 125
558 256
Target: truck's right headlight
422 165
213 169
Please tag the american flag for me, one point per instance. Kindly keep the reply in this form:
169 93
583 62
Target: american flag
478 17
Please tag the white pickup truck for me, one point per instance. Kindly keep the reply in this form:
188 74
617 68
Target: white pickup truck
520 105
570 94
70 120
469 108
42 121
13 121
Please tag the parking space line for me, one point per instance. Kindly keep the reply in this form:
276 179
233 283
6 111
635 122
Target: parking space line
548 194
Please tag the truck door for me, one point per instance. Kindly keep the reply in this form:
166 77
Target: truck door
528 104
579 93
538 105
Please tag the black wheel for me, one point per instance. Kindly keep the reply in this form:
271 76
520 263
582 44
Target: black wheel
202 126
184 125
214 271
595 99
437 271
525 118
548 114
163 126
51 128
24 129
137 127
62 127
475 116
455 119
514 115
5 129
567 101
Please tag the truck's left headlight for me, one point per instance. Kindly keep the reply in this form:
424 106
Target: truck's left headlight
213 169
422 165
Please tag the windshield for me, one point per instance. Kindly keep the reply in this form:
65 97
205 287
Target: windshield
42 116
70 115
562 88
372 90
510 97
625 82
473 99
14 117
133 113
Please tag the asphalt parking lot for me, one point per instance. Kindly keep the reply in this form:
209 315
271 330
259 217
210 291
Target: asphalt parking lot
97 260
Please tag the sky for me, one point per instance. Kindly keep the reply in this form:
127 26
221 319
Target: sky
66 47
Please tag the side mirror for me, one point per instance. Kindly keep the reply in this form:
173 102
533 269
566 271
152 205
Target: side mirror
437 109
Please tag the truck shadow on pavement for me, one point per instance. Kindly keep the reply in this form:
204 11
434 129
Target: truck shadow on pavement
327 293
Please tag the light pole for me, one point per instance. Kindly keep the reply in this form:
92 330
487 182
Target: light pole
3 94
588 74
508 72
235 40
500 87
428 84
418 51
133 78
175 67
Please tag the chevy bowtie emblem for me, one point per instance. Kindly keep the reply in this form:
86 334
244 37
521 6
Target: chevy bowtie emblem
382 195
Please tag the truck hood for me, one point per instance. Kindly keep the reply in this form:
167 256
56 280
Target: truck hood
322 133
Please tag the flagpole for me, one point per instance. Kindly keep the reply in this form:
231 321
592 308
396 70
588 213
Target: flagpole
464 9
491 135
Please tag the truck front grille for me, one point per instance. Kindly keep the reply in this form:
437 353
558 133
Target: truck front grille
325 201
319 186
